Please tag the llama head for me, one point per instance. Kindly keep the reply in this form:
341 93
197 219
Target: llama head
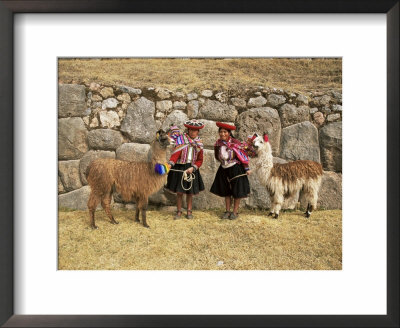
163 138
260 142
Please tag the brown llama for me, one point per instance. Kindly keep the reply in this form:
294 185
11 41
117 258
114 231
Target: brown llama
286 180
132 180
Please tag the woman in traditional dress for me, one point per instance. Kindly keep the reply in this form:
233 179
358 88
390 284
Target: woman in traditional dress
231 179
184 176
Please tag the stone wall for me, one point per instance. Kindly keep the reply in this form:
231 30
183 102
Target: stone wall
120 122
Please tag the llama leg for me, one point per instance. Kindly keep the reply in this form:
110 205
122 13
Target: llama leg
137 214
272 209
137 211
105 203
92 204
313 204
273 204
307 210
143 207
312 196
277 209
278 204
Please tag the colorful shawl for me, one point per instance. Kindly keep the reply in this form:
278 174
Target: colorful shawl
242 150
237 147
182 143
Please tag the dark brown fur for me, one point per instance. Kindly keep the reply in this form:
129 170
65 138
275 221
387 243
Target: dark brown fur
132 180
289 172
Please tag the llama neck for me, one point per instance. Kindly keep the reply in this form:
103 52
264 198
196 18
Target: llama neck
158 154
264 163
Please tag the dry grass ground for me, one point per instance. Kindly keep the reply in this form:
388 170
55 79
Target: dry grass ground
252 242
195 74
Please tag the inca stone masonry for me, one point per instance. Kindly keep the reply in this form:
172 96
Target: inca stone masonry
120 122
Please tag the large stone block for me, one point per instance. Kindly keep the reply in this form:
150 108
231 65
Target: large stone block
177 118
139 124
131 91
72 138
300 141
71 100
330 138
61 189
104 139
320 101
133 152
259 101
330 194
88 158
260 120
301 100
109 119
109 103
291 114
193 109
68 171
216 111
75 200
259 196
275 100
164 105
209 134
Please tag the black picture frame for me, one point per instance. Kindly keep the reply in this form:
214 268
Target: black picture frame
7 11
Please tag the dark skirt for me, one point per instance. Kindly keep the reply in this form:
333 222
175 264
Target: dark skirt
174 181
238 187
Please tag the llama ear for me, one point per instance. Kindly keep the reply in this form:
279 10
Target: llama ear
266 137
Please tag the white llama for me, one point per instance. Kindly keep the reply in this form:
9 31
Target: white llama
286 180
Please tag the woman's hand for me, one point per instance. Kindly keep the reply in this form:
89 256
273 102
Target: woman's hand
189 170
248 172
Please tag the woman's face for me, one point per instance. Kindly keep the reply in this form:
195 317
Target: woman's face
224 134
193 133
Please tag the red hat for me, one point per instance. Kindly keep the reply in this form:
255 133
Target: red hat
194 125
226 126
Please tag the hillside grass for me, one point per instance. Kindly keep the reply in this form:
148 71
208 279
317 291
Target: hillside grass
252 242
197 74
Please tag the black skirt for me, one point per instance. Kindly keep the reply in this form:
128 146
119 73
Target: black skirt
174 181
238 187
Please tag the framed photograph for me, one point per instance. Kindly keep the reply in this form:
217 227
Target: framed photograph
100 87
